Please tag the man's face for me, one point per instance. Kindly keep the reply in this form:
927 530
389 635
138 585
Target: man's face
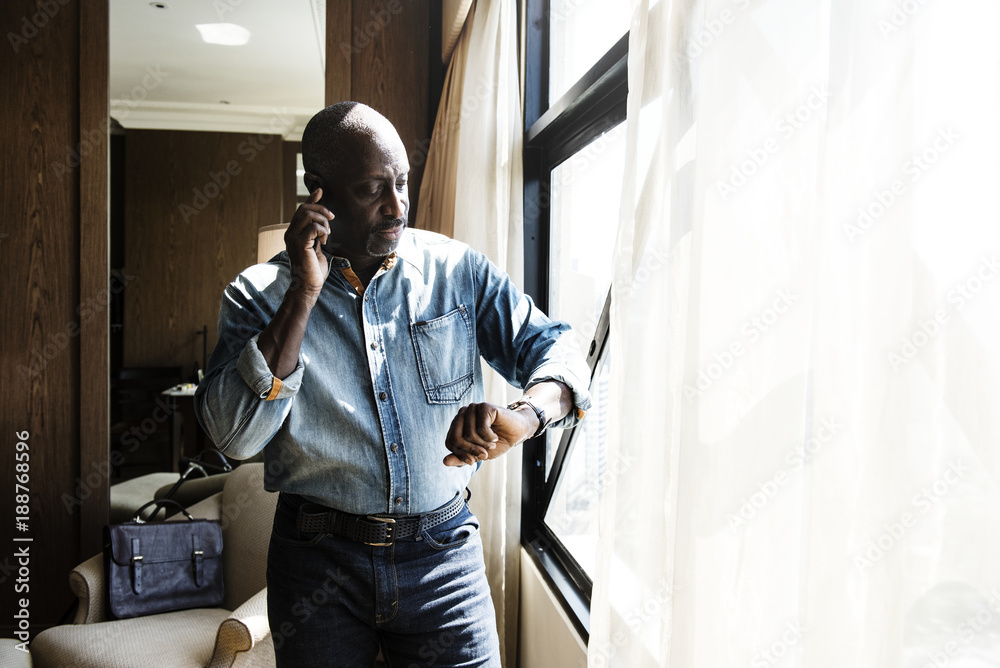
368 197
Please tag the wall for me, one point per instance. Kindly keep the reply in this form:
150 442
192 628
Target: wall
193 204
54 272
380 52
547 637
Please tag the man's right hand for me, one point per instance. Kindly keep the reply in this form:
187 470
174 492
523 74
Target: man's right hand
304 240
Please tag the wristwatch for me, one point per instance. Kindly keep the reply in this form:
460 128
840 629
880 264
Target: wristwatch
542 422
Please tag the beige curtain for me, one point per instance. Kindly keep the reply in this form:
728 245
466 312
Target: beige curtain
438 187
472 190
808 384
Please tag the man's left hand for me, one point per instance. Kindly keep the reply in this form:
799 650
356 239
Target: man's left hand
486 431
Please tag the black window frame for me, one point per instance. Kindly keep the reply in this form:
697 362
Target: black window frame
554 132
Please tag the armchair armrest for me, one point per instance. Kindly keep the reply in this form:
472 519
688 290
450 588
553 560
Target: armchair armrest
86 581
243 630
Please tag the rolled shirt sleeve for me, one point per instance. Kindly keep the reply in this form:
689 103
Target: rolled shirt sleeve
231 402
576 384
258 377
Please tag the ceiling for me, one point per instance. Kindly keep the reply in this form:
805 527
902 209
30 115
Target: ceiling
163 76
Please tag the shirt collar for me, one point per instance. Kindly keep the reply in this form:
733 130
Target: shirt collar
407 250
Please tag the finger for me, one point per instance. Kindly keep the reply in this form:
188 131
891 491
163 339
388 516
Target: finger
484 425
308 236
472 426
458 444
452 460
318 195
455 431
305 209
302 226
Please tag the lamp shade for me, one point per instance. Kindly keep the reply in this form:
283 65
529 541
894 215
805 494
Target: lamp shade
270 241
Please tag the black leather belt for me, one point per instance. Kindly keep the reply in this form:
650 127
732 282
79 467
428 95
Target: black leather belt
376 530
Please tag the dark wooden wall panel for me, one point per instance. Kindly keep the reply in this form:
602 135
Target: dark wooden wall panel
391 73
94 265
47 153
187 237
386 46
339 50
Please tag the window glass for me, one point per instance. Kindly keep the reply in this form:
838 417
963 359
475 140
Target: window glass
580 32
586 191
573 512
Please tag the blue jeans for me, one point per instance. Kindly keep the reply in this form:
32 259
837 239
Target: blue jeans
424 600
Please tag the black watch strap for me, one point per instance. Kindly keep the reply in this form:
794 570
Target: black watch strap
542 422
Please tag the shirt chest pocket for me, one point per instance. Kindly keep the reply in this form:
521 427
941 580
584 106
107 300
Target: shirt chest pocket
445 355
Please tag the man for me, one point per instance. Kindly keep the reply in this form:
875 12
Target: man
352 361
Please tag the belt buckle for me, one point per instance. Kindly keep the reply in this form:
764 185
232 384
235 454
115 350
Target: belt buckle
389 522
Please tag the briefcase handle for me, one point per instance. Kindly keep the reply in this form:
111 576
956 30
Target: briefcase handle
158 502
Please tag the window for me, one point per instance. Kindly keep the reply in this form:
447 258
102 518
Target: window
576 87
580 32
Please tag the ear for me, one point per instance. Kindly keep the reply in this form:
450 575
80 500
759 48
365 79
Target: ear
312 181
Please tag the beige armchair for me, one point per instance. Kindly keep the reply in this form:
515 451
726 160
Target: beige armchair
236 634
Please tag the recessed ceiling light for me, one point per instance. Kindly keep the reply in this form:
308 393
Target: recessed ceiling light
226 34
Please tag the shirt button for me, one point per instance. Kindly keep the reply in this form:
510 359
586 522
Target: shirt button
393 447
382 396
373 346
399 500
366 297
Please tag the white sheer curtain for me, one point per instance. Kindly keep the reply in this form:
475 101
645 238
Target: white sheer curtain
807 388
476 196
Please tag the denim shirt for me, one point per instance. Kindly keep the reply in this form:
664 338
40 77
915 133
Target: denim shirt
360 424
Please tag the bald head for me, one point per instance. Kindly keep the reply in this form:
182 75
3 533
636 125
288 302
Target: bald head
336 137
